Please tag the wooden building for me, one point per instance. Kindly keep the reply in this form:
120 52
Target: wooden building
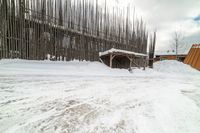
170 56
116 58
193 57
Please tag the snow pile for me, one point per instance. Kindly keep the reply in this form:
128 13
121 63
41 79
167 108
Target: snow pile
48 97
174 67
74 68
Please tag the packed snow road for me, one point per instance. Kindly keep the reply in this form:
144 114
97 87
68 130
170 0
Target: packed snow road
87 97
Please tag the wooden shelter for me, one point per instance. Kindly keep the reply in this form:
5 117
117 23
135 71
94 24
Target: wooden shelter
193 57
116 58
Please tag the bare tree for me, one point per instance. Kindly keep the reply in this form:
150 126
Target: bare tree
177 42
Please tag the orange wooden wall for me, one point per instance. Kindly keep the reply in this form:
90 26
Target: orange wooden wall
193 57
168 57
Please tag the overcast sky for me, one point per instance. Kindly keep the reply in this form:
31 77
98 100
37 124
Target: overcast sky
168 16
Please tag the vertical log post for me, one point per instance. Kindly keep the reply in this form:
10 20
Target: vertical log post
111 58
144 59
131 60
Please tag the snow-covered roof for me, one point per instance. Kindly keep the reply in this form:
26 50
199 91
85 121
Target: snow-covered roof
196 46
113 50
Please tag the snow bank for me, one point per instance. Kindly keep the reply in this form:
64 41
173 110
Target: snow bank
74 68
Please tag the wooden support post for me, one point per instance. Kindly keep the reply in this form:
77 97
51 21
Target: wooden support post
144 63
111 58
131 60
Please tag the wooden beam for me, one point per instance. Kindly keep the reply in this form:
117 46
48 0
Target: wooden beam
113 56
136 64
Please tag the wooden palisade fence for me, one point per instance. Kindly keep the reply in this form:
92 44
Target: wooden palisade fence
67 29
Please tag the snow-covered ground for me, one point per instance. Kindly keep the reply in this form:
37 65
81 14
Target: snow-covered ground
88 97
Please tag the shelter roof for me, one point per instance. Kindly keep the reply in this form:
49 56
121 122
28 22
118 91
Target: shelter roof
113 50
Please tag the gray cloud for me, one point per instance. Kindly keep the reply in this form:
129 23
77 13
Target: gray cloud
168 16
